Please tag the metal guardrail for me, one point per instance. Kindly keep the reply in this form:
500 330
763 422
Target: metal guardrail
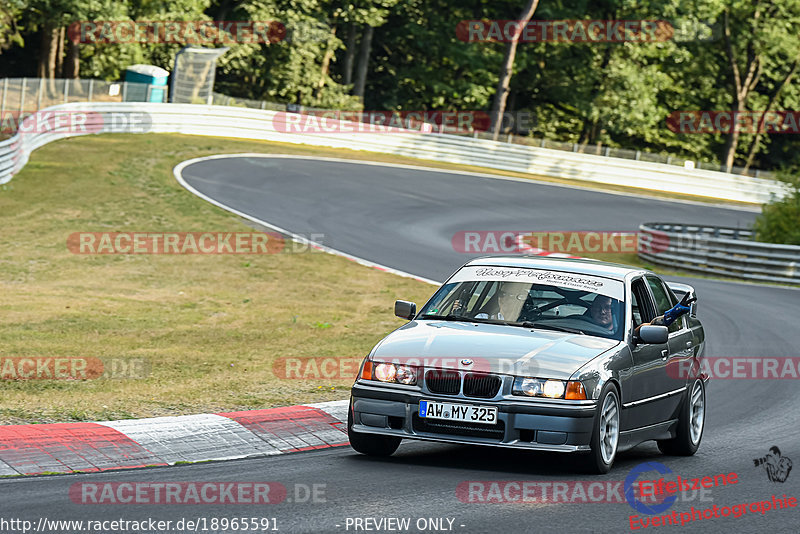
729 252
20 96
522 138
269 125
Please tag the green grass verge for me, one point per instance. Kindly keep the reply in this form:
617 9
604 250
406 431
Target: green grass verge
211 326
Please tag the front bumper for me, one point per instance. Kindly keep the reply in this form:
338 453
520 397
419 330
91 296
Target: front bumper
523 424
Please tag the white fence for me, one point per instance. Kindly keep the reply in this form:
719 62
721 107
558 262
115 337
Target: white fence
721 251
268 125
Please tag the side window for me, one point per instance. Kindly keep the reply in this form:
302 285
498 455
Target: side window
637 315
663 301
640 303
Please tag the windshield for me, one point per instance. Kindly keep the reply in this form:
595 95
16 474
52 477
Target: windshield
532 298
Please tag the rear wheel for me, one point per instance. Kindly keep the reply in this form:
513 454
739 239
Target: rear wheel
605 432
690 424
370 444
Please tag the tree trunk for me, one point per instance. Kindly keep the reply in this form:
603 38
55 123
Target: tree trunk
591 127
741 86
350 53
59 70
72 64
363 61
501 94
47 52
751 155
326 63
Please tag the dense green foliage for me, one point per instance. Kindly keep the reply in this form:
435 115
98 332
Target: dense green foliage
779 221
405 55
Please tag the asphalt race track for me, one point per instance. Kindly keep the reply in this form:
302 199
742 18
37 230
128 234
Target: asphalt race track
405 219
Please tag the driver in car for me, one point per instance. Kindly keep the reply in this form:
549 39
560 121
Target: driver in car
601 312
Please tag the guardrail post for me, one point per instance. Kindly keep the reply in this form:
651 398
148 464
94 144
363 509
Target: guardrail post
124 91
3 102
91 88
606 151
41 92
66 91
22 97
637 156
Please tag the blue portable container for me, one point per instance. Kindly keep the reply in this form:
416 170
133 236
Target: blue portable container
146 83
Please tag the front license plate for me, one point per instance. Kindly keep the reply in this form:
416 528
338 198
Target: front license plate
466 413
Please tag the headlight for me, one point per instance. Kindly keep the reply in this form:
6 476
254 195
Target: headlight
554 389
533 387
385 372
394 373
405 374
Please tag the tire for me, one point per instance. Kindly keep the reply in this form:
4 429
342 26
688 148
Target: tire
370 444
691 423
605 433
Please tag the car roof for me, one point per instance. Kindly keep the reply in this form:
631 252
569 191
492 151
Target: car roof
574 265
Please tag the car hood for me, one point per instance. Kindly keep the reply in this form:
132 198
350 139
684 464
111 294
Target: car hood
490 348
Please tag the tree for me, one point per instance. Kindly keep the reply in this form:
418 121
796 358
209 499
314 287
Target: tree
778 221
760 40
506 70
10 31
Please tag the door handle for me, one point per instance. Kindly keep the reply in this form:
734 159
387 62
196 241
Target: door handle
688 344
664 354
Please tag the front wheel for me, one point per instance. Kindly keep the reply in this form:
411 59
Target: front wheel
690 424
370 444
605 432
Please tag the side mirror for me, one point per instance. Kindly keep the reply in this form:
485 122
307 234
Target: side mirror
404 309
653 335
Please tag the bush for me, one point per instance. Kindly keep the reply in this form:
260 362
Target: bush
779 221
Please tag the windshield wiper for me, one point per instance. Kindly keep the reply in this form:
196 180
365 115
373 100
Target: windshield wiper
449 317
546 326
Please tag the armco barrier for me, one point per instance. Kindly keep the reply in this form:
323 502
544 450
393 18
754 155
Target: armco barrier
728 252
260 124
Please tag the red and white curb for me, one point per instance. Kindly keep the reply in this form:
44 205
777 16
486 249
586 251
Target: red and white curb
71 447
